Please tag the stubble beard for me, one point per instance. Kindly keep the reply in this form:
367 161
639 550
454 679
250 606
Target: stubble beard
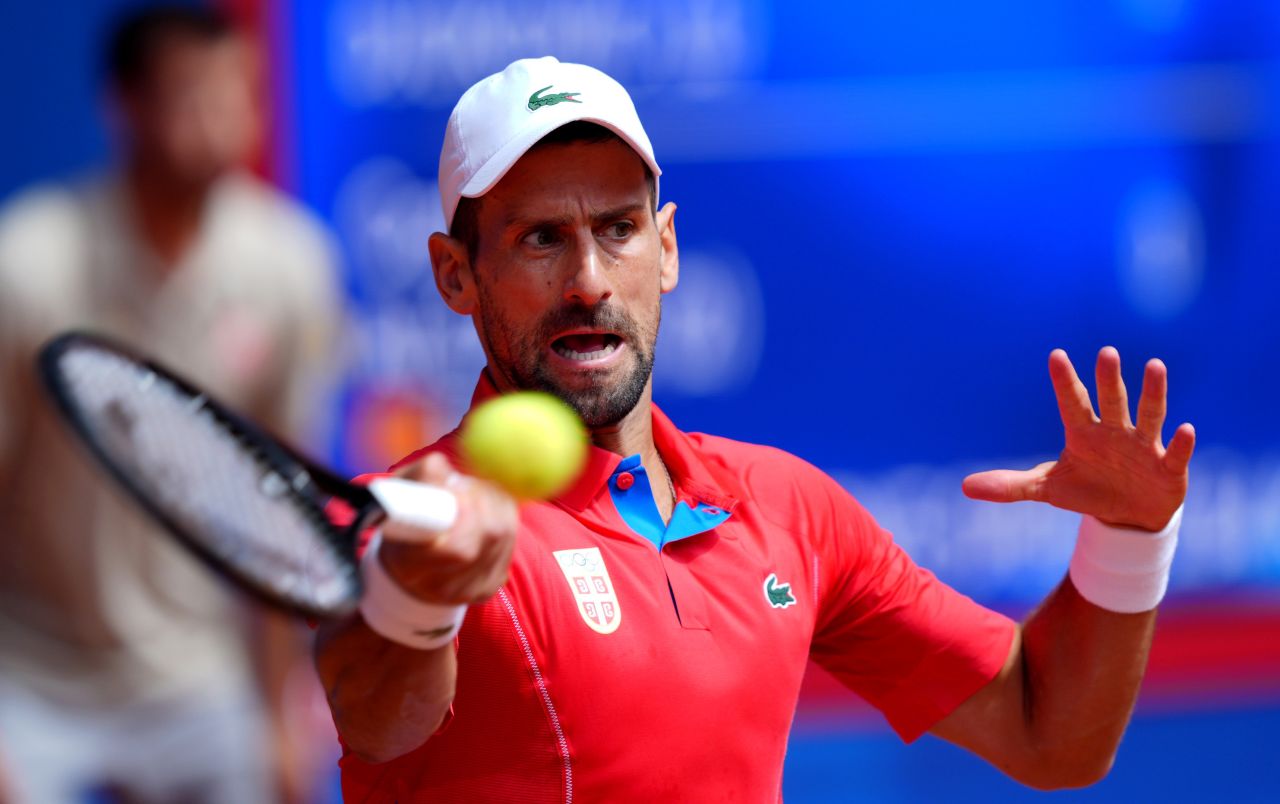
601 404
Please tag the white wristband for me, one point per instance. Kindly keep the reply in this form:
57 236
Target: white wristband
1125 570
394 614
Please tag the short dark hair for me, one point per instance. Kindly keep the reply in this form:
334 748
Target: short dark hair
465 226
136 37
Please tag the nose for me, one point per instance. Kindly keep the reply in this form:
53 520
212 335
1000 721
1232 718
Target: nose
588 282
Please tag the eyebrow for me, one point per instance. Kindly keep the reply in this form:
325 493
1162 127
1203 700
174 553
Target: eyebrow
603 216
618 212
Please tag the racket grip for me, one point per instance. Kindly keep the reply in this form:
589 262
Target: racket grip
429 509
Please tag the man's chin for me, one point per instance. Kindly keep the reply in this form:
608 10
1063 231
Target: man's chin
597 406
602 398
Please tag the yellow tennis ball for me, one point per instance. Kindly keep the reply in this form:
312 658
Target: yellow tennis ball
531 444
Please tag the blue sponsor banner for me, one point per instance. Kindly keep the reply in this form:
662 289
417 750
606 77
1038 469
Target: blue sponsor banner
889 215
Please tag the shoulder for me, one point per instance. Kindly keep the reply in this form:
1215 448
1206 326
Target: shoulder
757 466
785 488
43 245
273 211
271 217
37 222
278 247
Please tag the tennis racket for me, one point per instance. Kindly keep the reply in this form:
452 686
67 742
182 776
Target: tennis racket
245 502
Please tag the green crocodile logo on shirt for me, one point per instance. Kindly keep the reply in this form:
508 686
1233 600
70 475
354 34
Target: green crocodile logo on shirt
778 595
537 100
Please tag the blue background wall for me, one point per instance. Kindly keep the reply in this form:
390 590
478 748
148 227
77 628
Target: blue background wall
889 215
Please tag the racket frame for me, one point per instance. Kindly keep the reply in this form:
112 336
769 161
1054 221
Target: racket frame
309 485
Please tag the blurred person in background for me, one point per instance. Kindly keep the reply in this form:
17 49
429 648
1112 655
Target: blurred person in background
124 666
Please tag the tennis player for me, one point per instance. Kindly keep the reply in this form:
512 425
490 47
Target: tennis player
643 636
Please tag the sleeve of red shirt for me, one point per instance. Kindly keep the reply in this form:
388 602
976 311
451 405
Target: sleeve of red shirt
889 630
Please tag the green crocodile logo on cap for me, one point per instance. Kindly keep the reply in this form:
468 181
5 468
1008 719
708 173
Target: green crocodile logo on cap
537 100
778 594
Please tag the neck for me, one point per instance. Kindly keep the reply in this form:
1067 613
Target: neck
167 211
634 435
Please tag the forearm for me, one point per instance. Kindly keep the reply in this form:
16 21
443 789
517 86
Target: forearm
387 699
1081 668
1054 714
279 646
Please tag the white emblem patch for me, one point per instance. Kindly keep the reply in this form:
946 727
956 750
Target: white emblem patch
588 577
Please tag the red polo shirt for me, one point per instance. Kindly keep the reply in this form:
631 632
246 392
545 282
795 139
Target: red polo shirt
607 669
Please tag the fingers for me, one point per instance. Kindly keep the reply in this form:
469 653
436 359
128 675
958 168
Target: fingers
482 507
1178 454
435 469
1152 403
1113 399
468 561
485 514
1073 399
1007 485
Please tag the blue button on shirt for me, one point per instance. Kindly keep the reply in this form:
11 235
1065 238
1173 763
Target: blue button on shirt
636 506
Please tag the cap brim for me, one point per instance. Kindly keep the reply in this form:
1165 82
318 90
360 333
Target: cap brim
491 172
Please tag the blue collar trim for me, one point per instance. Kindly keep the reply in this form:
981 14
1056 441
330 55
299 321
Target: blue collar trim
635 503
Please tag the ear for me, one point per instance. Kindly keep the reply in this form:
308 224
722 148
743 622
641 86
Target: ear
452 268
666 220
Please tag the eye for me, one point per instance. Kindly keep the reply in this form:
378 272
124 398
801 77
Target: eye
540 238
620 230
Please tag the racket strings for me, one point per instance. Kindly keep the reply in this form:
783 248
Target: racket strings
221 490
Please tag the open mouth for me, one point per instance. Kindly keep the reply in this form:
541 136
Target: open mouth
586 346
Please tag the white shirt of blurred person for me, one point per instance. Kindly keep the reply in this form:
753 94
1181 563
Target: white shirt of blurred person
123 663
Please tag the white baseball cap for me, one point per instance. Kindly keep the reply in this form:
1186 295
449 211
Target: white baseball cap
500 118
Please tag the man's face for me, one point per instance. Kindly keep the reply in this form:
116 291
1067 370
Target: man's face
569 271
195 113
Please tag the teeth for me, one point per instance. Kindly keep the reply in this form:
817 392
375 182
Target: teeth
569 354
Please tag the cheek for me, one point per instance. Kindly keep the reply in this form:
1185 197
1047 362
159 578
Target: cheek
231 123
642 287
645 311
513 304
179 136
523 295
519 282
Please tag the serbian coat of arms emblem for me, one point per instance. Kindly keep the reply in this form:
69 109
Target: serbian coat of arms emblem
593 590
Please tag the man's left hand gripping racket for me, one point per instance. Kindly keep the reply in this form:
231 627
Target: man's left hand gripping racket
245 502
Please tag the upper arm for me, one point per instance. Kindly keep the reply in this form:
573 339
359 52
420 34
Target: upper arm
41 252
9 391
992 722
307 312
888 629
1055 714
14 355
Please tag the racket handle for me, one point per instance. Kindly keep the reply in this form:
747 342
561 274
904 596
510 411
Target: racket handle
429 509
